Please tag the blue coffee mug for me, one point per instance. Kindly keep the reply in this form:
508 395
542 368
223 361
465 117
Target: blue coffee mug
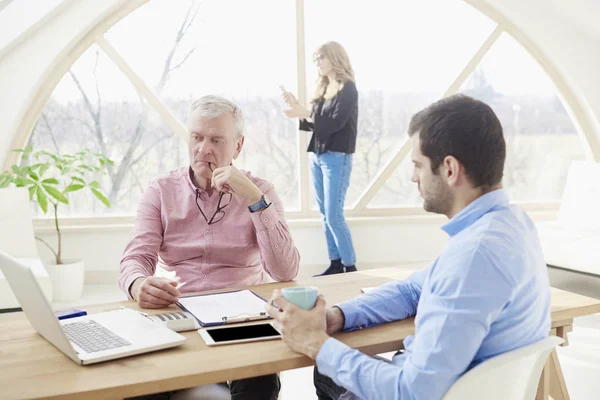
303 296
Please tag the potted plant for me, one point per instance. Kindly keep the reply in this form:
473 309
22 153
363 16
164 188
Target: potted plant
51 179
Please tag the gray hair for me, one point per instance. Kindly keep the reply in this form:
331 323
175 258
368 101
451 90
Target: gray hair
214 106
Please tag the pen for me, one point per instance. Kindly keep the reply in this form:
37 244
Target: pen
245 318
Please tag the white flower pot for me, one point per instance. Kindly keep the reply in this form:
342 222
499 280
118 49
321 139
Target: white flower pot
67 280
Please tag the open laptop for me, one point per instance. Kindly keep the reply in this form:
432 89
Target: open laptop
91 338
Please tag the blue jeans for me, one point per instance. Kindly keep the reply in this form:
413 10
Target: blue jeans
331 178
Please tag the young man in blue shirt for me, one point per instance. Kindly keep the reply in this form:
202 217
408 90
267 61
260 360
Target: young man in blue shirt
487 293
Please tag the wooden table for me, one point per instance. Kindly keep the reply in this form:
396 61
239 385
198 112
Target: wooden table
32 368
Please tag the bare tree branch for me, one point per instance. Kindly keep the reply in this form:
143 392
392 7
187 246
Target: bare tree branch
95 115
50 132
99 105
182 61
126 160
157 141
86 100
138 185
183 29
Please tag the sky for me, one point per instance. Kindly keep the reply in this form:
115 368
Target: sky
245 48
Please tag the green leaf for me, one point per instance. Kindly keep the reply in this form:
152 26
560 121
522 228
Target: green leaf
51 181
101 197
42 200
78 179
5 179
32 191
53 156
73 187
43 169
54 192
20 182
94 185
34 176
86 167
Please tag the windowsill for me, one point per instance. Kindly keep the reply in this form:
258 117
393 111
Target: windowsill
541 211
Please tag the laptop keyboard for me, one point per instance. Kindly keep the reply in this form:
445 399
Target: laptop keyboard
92 337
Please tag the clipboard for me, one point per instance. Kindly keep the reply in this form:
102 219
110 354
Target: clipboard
222 308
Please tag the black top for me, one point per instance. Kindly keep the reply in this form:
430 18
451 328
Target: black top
335 122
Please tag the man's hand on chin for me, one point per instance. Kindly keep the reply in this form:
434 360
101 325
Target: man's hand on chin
303 331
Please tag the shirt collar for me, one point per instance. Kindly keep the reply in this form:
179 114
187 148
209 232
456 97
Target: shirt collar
189 179
200 192
471 213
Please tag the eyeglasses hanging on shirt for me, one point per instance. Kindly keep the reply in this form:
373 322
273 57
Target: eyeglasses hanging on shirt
224 200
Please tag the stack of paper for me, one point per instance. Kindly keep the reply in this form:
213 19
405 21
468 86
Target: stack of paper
221 308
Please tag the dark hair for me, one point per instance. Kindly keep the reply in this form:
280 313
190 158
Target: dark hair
466 129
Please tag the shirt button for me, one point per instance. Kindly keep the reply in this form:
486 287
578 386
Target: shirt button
209 204
207 232
204 276
276 246
266 219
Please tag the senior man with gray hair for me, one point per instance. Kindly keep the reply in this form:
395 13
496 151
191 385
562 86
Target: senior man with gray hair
211 225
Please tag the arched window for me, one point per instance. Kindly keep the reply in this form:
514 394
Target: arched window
127 96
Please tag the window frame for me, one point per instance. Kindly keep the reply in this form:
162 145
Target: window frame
360 209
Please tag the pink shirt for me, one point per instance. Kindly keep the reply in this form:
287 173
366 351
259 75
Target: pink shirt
242 249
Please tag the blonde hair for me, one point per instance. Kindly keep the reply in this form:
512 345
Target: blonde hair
340 63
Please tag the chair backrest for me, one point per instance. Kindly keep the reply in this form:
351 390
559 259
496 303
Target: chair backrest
513 375
16 228
580 199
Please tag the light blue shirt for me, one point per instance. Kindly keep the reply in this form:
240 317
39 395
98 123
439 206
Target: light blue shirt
486 294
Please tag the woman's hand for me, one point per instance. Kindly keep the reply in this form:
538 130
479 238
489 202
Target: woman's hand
296 110
290 99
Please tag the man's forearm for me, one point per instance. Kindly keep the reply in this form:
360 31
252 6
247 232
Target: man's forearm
337 322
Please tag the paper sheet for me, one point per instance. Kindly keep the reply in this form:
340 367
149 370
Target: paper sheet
210 309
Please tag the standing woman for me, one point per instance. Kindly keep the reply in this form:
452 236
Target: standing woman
333 121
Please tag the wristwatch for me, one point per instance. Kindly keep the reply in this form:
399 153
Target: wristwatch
262 204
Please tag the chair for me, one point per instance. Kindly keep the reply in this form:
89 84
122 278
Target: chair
571 241
206 392
514 375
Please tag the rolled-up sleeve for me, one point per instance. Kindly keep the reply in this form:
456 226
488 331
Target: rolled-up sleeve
141 253
305 125
278 253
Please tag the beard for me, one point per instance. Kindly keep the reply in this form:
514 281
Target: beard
438 199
